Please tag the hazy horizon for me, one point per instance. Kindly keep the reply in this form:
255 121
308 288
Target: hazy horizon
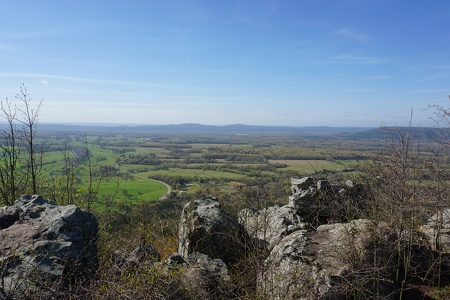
347 63
178 124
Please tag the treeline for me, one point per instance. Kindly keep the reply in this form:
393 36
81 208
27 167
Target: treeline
179 181
249 154
142 159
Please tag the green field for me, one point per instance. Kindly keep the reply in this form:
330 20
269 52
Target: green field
131 191
124 165
192 172
311 166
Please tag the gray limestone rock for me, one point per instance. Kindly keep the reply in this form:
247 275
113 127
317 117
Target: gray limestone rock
45 245
271 224
205 278
206 228
437 231
318 202
323 264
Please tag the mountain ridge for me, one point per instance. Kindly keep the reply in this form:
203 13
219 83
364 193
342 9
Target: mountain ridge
242 129
200 128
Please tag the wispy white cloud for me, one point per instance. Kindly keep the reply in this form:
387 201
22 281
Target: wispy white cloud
360 90
15 35
125 82
357 59
380 77
441 67
206 71
434 77
433 91
406 100
256 14
351 34
160 99
6 47
90 80
355 3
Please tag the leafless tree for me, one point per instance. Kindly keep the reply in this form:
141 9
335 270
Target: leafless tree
20 157
10 150
29 116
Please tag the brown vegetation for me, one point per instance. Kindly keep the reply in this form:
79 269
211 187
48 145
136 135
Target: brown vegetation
388 212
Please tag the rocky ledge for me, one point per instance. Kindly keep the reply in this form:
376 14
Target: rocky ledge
45 245
307 249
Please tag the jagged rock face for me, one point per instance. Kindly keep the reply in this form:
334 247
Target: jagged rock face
271 224
201 277
306 259
301 184
437 231
44 244
206 228
314 199
204 276
317 264
437 235
318 201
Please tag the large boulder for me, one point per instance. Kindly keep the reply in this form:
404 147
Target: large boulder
329 263
271 224
316 248
437 231
44 245
314 199
200 277
206 228
319 202
205 278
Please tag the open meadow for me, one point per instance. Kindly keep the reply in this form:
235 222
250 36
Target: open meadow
118 170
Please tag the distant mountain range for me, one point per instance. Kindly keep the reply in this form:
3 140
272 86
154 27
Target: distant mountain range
417 133
199 128
240 129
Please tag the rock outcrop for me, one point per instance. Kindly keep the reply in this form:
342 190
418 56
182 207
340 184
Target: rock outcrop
206 228
271 224
205 278
45 245
314 250
318 202
437 231
437 234
328 262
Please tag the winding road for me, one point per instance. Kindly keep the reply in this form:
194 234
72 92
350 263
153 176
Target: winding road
169 189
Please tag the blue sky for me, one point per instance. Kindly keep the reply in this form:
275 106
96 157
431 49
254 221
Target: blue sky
292 62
